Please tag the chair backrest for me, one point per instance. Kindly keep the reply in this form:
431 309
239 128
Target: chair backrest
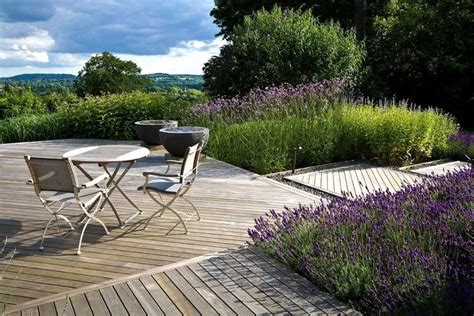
191 161
51 174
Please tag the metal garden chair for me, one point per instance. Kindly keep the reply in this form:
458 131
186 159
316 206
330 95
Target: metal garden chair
55 182
175 186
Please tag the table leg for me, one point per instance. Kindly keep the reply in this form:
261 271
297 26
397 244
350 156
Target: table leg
114 184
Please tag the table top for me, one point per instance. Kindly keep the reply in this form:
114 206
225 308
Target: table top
107 153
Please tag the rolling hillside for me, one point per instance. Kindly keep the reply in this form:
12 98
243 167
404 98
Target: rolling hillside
42 82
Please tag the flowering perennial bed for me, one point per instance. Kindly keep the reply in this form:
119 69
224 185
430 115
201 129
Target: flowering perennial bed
385 252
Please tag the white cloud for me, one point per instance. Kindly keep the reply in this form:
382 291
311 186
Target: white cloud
33 47
187 57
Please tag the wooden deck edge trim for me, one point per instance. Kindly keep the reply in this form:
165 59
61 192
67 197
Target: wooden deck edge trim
334 194
426 164
111 282
291 189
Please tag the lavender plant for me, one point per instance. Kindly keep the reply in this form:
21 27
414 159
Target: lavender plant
461 144
386 252
275 101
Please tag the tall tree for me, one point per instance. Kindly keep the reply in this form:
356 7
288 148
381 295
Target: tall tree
282 46
104 73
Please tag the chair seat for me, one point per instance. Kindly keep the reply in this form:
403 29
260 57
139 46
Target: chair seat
85 195
165 185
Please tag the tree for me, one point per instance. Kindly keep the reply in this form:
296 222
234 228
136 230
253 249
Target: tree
282 46
424 51
348 13
106 73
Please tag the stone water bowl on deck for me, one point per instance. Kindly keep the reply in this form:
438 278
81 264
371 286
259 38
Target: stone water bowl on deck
177 139
149 131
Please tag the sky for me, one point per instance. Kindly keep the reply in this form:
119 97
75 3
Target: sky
59 36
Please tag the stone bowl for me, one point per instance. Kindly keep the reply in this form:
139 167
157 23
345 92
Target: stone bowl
177 139
149 131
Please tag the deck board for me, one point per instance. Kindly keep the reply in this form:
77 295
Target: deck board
229 198
357 178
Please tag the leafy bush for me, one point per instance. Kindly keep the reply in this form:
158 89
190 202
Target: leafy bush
260 131
109 117
19 100
282 47
461 145
386 252
423 50
34 127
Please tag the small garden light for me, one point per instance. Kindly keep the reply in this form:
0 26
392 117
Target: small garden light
295 151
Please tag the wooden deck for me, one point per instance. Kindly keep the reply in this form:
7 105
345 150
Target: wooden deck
239 282
228 197
356 179
440 169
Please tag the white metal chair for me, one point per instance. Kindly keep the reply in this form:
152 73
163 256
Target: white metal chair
55 181
175 185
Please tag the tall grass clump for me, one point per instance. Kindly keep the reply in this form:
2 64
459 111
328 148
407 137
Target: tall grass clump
261 130
107 117
404 252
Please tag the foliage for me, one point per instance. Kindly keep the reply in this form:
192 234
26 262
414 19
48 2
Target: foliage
109 116
423 50
46 84
386 252
260 131
17 100
278 46
461 144
230 13
106 73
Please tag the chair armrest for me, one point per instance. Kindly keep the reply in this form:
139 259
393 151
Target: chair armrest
176 162
159 174
95 181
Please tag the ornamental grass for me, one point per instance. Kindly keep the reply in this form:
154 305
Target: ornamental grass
409 251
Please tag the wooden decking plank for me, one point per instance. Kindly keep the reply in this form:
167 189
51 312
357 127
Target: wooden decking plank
129 301
190 292
112 301
247 286
96 302
64 307
263 285
33 311
206 292
230 284
48 309
144 298
335 305
274 281
81 305
226 296
178 298
165 303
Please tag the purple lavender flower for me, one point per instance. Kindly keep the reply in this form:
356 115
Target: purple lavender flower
274 99
403 251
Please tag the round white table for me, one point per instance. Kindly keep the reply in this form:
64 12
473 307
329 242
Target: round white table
103 155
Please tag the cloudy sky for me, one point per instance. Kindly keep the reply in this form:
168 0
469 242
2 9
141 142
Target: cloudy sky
58 36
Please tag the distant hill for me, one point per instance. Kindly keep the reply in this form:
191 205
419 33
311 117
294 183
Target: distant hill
42 83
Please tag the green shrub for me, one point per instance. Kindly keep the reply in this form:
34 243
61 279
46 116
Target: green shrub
282 46
34 127
18 100
108 117
391 134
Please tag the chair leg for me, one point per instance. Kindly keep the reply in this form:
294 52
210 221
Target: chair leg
101 223
82 235
45 231
66 220
163 209
194 207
